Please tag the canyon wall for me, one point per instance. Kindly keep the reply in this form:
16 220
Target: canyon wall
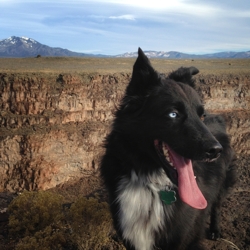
52 126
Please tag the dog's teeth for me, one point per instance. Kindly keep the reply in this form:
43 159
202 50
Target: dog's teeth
195 177
166 154
165 151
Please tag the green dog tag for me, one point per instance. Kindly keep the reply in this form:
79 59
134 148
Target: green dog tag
168 197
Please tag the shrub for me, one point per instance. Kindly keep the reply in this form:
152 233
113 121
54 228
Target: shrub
91 223
47 239
39 221
34 211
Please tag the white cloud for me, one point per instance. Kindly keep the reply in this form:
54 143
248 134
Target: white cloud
242 14
178 6
126 17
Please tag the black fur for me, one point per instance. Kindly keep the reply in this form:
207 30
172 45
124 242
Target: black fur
168 110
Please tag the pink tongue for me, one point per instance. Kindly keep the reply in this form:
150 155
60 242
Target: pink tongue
187 186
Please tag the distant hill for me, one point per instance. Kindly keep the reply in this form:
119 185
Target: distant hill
27 47
179 55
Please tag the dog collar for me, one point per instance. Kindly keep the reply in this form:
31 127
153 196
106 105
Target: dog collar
168 197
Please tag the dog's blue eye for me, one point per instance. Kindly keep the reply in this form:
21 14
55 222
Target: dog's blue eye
173 114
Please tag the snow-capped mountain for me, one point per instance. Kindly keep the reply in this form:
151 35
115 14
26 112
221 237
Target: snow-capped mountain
179 55
27 47
158 54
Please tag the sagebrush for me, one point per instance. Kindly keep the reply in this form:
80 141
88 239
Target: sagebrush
40 221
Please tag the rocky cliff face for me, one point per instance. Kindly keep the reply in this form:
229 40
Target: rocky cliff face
52 127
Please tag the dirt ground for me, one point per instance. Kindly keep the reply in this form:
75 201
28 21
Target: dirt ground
235 221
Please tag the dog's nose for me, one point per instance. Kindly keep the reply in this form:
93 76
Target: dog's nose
214 151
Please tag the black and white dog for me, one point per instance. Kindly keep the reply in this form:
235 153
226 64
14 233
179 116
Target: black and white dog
167 164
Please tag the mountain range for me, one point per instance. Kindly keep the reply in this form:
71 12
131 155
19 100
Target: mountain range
27 47
179 55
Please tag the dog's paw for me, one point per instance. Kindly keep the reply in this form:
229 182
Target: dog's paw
214 235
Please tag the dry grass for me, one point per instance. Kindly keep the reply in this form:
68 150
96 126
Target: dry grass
117 65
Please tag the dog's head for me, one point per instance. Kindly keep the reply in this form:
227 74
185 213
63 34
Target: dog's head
167 109
167 113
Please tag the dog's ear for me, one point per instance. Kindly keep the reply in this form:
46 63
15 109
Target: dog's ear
184 75
144 77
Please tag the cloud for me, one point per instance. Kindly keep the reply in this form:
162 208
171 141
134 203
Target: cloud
125 17
178 6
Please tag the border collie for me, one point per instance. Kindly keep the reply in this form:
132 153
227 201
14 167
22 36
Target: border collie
167 164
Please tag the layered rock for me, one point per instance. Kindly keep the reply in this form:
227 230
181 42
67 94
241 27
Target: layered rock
52 127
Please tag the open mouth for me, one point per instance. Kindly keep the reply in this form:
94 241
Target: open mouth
162 148
163 152
180 171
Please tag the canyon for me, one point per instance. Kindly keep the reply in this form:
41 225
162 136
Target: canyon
53 126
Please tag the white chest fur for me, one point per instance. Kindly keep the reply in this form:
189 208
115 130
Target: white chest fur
141 209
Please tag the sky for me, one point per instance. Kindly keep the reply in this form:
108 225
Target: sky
113 27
